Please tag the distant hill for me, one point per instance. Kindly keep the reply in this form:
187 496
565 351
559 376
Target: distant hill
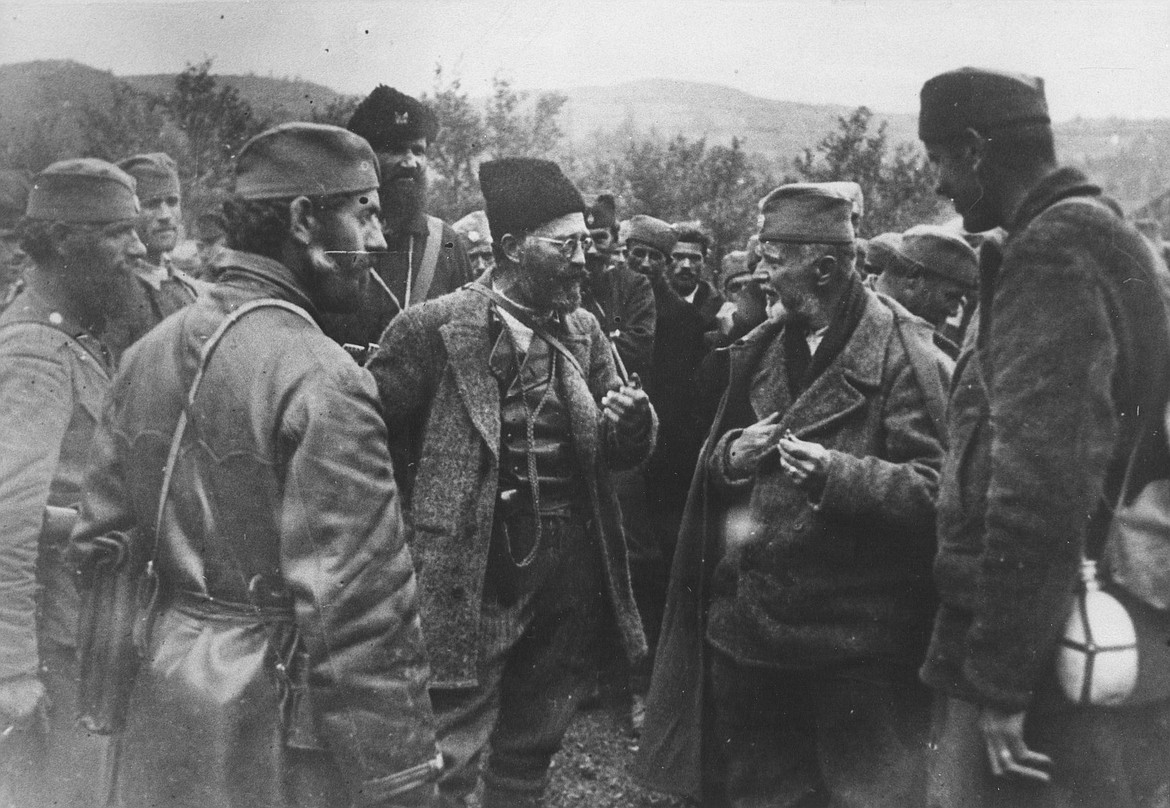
778 129
272 98
1131 158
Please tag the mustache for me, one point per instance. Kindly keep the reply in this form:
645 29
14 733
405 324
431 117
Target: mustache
415 174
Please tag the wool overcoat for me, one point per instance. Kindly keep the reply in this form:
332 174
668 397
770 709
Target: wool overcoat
841 579
442 406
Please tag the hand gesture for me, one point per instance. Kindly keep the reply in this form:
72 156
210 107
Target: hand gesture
754 444
628 409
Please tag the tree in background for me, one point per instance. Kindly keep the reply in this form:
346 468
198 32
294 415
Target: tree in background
216 122
899 188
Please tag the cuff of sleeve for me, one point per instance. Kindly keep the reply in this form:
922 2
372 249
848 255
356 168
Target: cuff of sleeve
994 692
720 464
839 490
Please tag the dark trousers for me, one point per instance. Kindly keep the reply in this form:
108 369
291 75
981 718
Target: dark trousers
537 656
1102 758
848 736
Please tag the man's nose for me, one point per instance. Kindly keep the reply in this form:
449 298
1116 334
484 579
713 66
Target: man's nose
374 240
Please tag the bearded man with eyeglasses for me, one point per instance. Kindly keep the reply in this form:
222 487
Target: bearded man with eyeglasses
508 413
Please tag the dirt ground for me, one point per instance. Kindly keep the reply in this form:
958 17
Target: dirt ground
592 770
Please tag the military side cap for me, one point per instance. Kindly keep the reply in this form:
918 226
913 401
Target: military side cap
733 264
474 230
654 232
388 118
806 213
305 159
601 214
522 193
884 252
14 188
83 189
942 252
156 173
851 191
984 100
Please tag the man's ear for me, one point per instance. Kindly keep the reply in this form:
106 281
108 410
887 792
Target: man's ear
973 146
825 269
510 246
302 224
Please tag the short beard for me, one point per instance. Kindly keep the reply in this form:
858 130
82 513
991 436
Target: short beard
333 286
403 202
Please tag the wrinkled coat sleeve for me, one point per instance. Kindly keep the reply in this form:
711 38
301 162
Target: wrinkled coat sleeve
36 404
1053 427
346 561
897 489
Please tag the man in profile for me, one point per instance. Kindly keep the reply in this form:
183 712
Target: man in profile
286 643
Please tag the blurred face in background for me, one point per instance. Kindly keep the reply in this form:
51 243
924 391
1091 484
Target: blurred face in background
645 259
686 266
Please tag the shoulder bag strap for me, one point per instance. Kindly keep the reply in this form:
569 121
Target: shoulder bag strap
204 358
430 260
526 318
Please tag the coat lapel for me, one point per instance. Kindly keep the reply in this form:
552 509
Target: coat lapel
842 388
469 352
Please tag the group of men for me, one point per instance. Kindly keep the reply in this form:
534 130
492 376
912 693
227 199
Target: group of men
391 585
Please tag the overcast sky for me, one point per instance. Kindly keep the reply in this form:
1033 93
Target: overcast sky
1098 58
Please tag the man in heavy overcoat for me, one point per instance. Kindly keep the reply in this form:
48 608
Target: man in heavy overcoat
55 369
509 391
1062 372
286 666
800 597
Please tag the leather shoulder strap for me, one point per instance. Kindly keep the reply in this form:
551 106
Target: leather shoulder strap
430 261
526 319
204 358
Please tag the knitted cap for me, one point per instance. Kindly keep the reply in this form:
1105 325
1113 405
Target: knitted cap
82 190
983 100
884 251
522 193
156 174
806 213
654 232
388 118
305 159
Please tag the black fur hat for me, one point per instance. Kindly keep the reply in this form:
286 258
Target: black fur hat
388 118
523 193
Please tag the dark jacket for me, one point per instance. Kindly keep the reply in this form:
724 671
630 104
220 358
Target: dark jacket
403 257
436 386
53 377
802 584
1069 339
282 554
622 301
708 301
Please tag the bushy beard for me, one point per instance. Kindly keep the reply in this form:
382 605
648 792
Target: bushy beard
337 281
402 201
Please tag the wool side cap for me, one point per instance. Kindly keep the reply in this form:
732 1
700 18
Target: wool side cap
305 159
522 193
654 232
984 100
806 213
474 229
942 252
83 190
156 173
